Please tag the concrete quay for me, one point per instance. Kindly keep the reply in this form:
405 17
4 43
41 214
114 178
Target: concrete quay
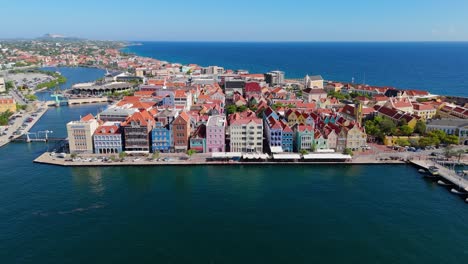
183 160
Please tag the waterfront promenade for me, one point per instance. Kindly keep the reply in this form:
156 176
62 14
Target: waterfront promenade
93 160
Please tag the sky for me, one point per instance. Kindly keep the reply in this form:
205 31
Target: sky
238 20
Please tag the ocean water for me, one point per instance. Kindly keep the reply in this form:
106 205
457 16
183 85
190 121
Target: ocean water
221 214
440 67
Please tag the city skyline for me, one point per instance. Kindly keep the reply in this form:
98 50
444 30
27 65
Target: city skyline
260 21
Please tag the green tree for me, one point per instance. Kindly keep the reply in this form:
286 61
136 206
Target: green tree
402 142
190 152
303 152
439 134
387 126
451 139
122 155
348 151
231 109
406 130
242 108
420 127
4 117
428 141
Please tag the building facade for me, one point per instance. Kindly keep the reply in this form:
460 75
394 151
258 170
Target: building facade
80 135
216 134
161 138
246 135
303 137
107 139
136 130
181 132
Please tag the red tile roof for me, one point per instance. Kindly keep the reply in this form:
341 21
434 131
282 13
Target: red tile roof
87 118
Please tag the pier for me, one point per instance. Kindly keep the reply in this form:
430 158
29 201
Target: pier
444 173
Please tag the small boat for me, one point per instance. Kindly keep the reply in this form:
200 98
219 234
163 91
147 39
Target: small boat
458 191
441 182
422 171
433 170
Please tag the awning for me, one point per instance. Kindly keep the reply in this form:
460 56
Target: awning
326 156
276 149
289 156
254 156
226 155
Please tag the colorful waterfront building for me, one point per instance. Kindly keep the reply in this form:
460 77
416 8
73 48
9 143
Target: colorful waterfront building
216 134
107 139
332 138
136 130
287 137
274 134
356 137
181 132
161 138
80 134
320 142
246 134
198 139
303 137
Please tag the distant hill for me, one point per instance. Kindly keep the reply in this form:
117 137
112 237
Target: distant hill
58 37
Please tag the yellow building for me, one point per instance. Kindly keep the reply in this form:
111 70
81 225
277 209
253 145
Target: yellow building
356 138
80 134
7 103
292 116
391 141
424 111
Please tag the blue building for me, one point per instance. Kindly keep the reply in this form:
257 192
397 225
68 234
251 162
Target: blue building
287 137
161 136
168 99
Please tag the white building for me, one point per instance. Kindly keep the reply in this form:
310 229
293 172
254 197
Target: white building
246 135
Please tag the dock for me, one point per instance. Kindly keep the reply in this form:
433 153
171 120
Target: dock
444 172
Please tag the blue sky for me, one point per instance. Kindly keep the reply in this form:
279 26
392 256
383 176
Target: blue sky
239 20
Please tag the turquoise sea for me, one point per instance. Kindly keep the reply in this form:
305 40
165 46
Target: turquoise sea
226 214
440 67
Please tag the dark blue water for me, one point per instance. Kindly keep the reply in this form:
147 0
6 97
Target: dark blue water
227 214
441 68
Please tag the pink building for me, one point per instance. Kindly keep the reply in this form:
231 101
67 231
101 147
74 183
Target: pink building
216 134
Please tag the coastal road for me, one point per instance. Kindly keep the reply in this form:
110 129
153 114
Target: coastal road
18 97
17 124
